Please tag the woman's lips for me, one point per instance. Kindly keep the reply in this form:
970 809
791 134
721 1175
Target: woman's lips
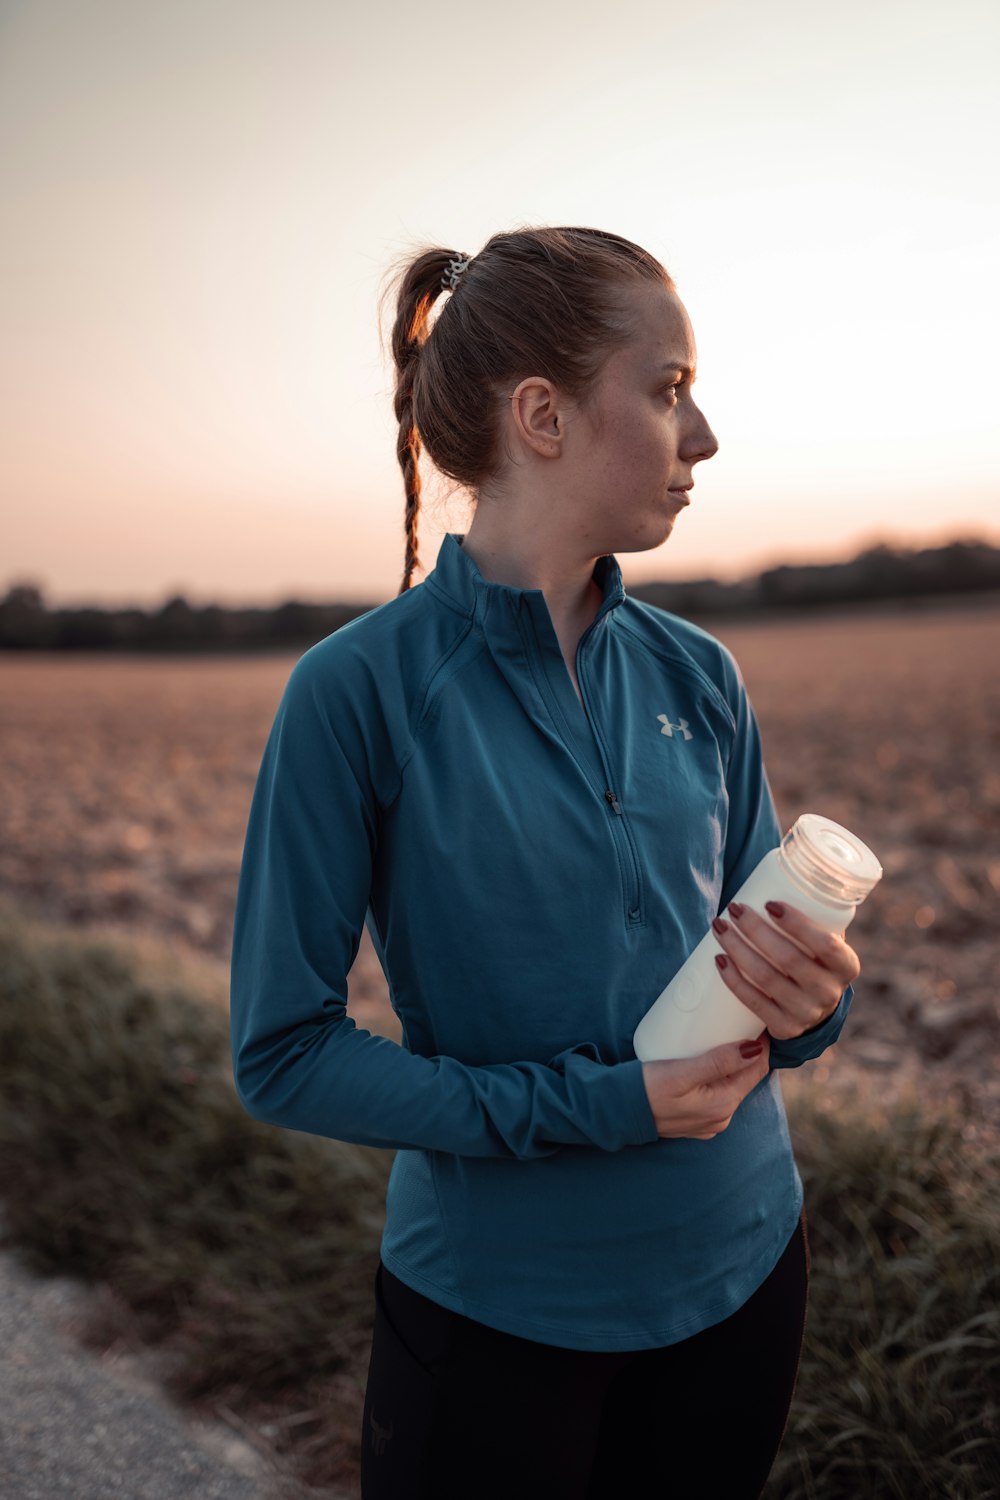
681 496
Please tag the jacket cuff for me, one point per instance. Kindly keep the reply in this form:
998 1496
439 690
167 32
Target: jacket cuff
792 1052
642 1123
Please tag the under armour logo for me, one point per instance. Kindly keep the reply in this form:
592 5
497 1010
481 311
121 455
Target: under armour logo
668 728
381 1436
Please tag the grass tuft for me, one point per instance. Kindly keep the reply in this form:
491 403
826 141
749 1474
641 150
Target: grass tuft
247 1253
898 1392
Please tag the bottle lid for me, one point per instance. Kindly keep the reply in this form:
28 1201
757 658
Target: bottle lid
831 858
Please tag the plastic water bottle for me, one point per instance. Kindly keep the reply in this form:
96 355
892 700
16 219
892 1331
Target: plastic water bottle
820 868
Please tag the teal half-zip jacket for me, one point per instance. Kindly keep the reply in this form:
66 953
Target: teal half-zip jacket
532 871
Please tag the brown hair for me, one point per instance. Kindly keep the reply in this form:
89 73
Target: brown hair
536 301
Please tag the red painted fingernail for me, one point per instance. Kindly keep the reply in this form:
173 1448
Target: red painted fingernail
735 910
751 1049
719 925
775 908
721 960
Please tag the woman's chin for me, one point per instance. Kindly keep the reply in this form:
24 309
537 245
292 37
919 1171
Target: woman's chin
649 538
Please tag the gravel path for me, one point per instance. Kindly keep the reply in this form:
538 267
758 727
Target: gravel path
78 1426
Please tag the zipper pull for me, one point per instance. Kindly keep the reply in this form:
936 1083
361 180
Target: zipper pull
613 803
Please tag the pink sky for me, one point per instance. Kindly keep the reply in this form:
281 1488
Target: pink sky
202 199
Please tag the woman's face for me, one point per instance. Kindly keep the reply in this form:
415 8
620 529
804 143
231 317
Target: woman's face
634 449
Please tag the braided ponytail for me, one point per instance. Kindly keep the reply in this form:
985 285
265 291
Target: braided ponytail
408 454
421 284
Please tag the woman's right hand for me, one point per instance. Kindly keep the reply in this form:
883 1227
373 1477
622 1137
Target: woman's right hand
698 1096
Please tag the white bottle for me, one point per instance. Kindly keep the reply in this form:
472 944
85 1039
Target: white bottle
820 868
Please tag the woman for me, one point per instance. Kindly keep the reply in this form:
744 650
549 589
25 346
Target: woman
539 793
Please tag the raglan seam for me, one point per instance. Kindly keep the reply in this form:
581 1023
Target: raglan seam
419 714
691 668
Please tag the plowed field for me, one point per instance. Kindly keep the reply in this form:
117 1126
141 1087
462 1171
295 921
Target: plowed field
126 785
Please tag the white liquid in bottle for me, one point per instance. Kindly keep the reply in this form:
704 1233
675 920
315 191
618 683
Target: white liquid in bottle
820 868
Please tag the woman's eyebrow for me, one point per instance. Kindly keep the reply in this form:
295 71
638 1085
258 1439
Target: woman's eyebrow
675 364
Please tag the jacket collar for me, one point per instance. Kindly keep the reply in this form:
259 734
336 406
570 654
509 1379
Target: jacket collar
456 577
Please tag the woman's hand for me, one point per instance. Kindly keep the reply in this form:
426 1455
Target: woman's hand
792 979
698 1096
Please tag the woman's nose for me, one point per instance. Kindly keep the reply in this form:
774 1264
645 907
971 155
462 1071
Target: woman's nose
702 442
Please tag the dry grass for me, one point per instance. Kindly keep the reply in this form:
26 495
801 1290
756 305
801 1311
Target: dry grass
898 1387
247 1253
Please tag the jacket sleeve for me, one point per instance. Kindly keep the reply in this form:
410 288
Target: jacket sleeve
752 831
299 1060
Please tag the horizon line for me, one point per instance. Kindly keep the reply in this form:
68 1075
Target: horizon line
198 600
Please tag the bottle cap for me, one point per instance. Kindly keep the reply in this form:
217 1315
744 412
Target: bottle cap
831 858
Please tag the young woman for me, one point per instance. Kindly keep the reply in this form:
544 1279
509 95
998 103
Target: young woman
539 793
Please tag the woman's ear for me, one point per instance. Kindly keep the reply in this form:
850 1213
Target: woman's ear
539 416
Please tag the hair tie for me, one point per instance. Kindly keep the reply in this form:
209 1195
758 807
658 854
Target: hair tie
454 269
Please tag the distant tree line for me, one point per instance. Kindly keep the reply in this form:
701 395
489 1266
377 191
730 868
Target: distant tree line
27 624
880 573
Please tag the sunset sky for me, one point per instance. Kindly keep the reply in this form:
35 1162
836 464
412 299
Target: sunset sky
202 197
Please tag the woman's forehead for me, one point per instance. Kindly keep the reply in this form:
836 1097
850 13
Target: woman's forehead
662 337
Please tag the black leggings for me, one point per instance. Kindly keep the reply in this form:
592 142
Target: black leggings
458 1411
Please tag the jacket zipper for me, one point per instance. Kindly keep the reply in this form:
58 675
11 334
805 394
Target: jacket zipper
629 866
621 833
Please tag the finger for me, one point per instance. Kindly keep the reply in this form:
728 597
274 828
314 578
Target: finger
799 1010
762 934
809 997
764 955
753 998
714 1066
726 1059
828 948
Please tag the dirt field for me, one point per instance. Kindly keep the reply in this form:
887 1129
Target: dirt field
126 785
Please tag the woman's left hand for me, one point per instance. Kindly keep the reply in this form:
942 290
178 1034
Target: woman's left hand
792 978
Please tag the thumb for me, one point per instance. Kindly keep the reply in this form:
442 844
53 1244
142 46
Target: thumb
726 1059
